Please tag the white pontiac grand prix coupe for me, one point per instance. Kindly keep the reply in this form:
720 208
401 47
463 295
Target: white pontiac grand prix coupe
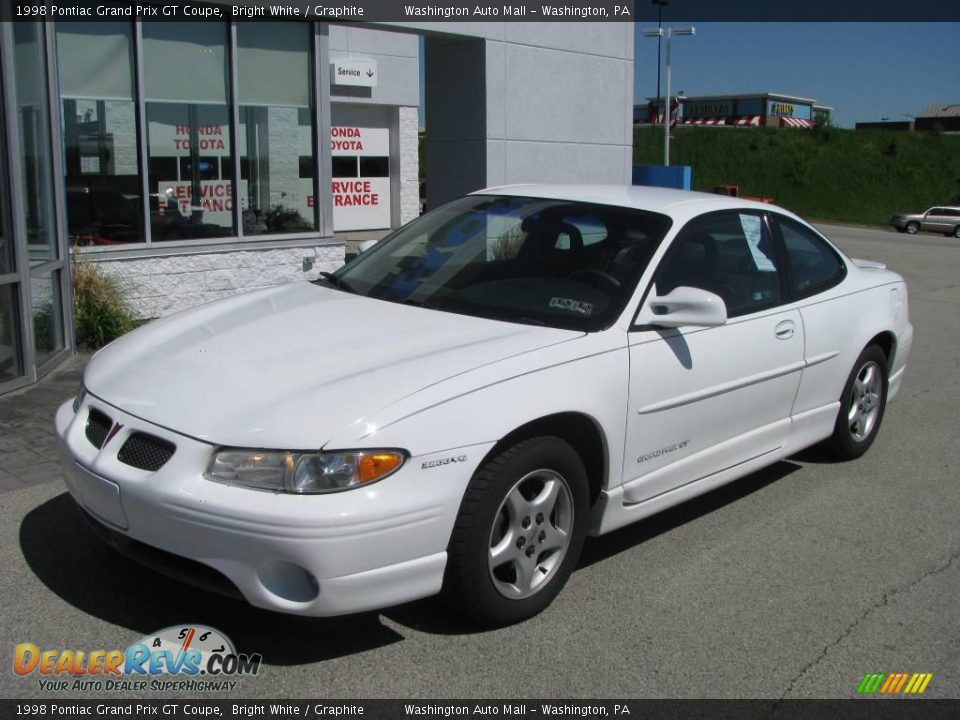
457 408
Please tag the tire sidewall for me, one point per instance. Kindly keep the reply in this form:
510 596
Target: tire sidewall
844 444
468 574
912 228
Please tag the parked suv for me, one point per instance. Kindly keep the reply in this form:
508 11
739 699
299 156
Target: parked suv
944 220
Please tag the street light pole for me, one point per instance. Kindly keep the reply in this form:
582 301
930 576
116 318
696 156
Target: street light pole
659 4
669 32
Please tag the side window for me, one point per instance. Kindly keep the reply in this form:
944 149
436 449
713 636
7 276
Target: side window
729 254
814 266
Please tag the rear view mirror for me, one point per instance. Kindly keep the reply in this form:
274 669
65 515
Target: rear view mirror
683 306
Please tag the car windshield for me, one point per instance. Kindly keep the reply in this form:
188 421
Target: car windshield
529 260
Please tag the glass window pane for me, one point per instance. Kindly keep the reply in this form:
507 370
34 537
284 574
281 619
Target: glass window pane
374 167
344 167
813 265
726 253
30 86
104 198
188 128
7 257
46 310
276 127
11 363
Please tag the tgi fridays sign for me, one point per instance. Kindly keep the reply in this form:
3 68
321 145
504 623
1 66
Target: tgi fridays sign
707 109
360 203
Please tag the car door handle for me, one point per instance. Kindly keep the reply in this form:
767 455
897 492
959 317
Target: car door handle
784 330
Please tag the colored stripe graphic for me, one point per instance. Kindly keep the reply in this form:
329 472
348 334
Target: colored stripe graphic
894 683
870 683
919 682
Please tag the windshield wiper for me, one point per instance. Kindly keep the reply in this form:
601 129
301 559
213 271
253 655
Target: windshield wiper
336 281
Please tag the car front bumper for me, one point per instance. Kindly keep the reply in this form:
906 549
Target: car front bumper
328 554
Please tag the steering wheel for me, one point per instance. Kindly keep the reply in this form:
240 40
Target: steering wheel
607 277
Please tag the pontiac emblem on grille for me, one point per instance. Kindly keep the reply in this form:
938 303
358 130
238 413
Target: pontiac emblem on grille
113 431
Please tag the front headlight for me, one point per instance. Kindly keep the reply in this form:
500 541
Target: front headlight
303 473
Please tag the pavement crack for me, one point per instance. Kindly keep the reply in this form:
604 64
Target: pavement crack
883 601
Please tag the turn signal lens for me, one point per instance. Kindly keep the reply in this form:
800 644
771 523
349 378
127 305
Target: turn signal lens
373 466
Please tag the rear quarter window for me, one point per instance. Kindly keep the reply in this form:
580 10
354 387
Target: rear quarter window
814 266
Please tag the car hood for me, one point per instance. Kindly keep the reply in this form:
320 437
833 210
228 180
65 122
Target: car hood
289 367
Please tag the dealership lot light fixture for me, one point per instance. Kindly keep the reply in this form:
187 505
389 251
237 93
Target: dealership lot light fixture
668 33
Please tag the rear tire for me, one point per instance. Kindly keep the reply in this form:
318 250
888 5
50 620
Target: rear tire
862 404
519 533
956 231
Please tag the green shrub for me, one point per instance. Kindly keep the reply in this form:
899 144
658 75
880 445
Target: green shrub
100 311
281 219
829 173
43 334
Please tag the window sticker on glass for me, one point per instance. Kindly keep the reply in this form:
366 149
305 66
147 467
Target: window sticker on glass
752 232
577 306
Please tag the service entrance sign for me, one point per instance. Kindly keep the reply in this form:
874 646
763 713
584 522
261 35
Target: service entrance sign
361 186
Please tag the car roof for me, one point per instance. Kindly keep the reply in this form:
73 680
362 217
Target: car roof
675 203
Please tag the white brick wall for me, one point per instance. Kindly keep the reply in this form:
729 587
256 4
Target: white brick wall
159 286
283 176
409 165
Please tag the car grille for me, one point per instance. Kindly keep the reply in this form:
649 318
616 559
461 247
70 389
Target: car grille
98 427
146 452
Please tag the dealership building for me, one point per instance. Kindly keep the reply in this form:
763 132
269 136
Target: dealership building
773 110
194 160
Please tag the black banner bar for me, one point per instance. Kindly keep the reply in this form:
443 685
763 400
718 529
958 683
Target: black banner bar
417 11
177 708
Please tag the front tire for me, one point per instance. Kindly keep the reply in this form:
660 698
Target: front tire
912 227
862 405
519 533
956 231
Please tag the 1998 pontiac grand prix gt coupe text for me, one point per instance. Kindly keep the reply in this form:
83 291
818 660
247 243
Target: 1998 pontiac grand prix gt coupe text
457 408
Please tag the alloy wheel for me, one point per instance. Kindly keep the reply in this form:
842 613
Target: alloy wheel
530 534
864 407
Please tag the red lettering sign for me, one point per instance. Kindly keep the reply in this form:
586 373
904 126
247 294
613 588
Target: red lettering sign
352 193
201 130
346 145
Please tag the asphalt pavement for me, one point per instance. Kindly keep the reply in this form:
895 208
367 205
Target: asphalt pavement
792 582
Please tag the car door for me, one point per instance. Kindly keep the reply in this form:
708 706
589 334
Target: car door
829 321
704 399
935 220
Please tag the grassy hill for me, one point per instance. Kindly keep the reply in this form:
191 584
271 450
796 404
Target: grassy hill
857 176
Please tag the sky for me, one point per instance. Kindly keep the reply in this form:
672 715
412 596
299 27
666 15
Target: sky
865 71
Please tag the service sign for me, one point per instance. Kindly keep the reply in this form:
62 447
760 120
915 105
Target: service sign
360 73
346 140
359 203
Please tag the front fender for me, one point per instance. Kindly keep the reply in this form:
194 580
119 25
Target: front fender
485 405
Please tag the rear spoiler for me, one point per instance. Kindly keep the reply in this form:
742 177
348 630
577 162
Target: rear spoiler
868 264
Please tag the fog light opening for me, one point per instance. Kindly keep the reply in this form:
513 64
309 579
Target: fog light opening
288 581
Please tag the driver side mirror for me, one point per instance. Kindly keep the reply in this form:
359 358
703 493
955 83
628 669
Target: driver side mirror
683 306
